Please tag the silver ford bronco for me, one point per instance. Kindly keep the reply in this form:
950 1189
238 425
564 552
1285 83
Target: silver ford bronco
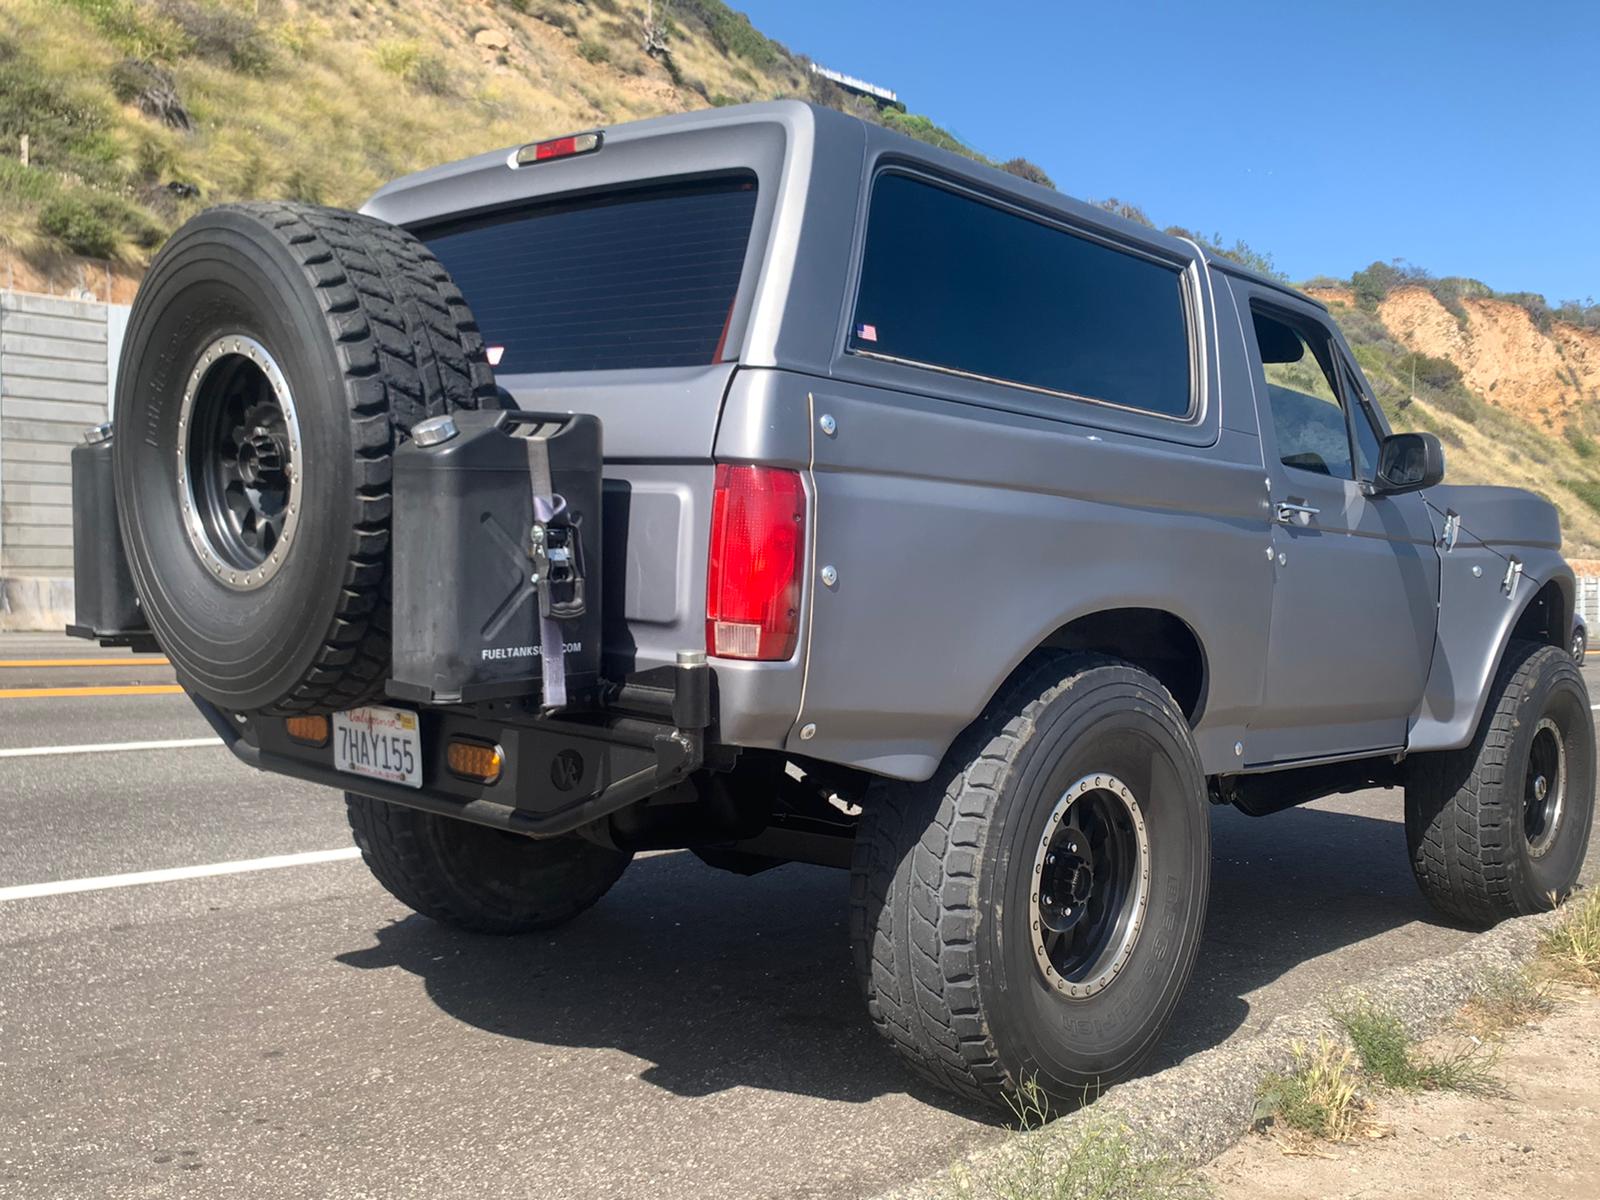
762 483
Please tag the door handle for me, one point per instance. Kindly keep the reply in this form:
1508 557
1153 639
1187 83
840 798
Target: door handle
1289 513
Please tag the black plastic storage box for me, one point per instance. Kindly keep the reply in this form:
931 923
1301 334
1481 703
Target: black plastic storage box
104 602
466 609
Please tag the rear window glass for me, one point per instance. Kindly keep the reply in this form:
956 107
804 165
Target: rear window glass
644 278
950 281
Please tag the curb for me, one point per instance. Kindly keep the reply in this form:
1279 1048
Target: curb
1195 1110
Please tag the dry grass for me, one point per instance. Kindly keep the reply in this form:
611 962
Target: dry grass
1319 1097
1504 1000
1572 948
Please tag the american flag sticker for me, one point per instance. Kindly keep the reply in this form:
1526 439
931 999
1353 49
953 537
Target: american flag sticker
867 333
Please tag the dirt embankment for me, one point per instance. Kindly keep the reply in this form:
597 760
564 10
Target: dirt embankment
1537 1138
1544 378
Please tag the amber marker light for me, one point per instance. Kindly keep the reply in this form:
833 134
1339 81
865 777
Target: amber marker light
309 731
476 761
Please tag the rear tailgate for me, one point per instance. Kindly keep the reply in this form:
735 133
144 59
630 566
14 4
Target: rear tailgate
626 282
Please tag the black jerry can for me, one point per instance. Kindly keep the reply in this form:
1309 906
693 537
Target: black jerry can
465 607
105 606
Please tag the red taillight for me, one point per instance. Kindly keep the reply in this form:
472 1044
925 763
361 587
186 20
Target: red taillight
758 523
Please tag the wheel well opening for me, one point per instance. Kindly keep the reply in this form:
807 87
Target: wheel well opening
1149 638
1548 617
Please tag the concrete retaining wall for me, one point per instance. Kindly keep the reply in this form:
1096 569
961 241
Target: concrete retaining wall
57 357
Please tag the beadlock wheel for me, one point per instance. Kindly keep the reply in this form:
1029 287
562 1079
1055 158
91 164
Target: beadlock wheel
1092 875
1544 788
238 462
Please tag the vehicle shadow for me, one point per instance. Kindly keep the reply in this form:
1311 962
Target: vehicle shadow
719 981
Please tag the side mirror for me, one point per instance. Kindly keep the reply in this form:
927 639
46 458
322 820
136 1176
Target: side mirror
1408 462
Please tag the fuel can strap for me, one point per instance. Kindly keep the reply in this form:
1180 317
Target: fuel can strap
546 504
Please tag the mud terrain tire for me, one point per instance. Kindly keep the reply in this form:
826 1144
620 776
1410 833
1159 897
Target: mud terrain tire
1487 840
275 356
480 879
946 886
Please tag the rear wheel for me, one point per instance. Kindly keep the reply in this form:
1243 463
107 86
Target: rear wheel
1032 913
1500 828
476 878
1580 645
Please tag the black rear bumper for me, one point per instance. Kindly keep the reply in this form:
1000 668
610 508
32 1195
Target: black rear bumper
560 772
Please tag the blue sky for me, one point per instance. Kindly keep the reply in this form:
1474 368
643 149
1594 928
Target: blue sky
1463 137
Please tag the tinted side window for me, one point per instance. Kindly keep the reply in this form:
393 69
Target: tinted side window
1303 397
950 281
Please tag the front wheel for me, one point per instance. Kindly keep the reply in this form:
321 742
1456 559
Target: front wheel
1500 828
476 878
1031 914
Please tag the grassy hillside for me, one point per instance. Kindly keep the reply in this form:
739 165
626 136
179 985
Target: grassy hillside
138 113
1484 441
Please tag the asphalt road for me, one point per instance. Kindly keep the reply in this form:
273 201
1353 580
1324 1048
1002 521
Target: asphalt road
294 1032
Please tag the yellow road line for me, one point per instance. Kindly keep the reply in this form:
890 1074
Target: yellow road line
82 662
64 693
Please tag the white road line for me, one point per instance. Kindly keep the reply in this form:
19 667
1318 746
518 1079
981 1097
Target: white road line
62 887
108 747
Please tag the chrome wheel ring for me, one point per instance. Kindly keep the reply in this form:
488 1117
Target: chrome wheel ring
1090 887
1544 788
239 462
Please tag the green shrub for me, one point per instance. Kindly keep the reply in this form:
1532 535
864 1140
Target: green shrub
1582 446
25 185
431 74
221 34
1372 286
1586 491
732 33
422 69
594 52
1439 373
132 28
1131 212
79 226
1032 172
920 127
62 121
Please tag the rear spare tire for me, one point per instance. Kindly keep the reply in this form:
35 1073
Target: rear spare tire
274 357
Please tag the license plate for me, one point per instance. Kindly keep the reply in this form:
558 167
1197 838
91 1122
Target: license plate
380 743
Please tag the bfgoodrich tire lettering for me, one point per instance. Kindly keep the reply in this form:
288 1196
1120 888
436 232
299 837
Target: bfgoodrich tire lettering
943 886
367 335
1486 841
